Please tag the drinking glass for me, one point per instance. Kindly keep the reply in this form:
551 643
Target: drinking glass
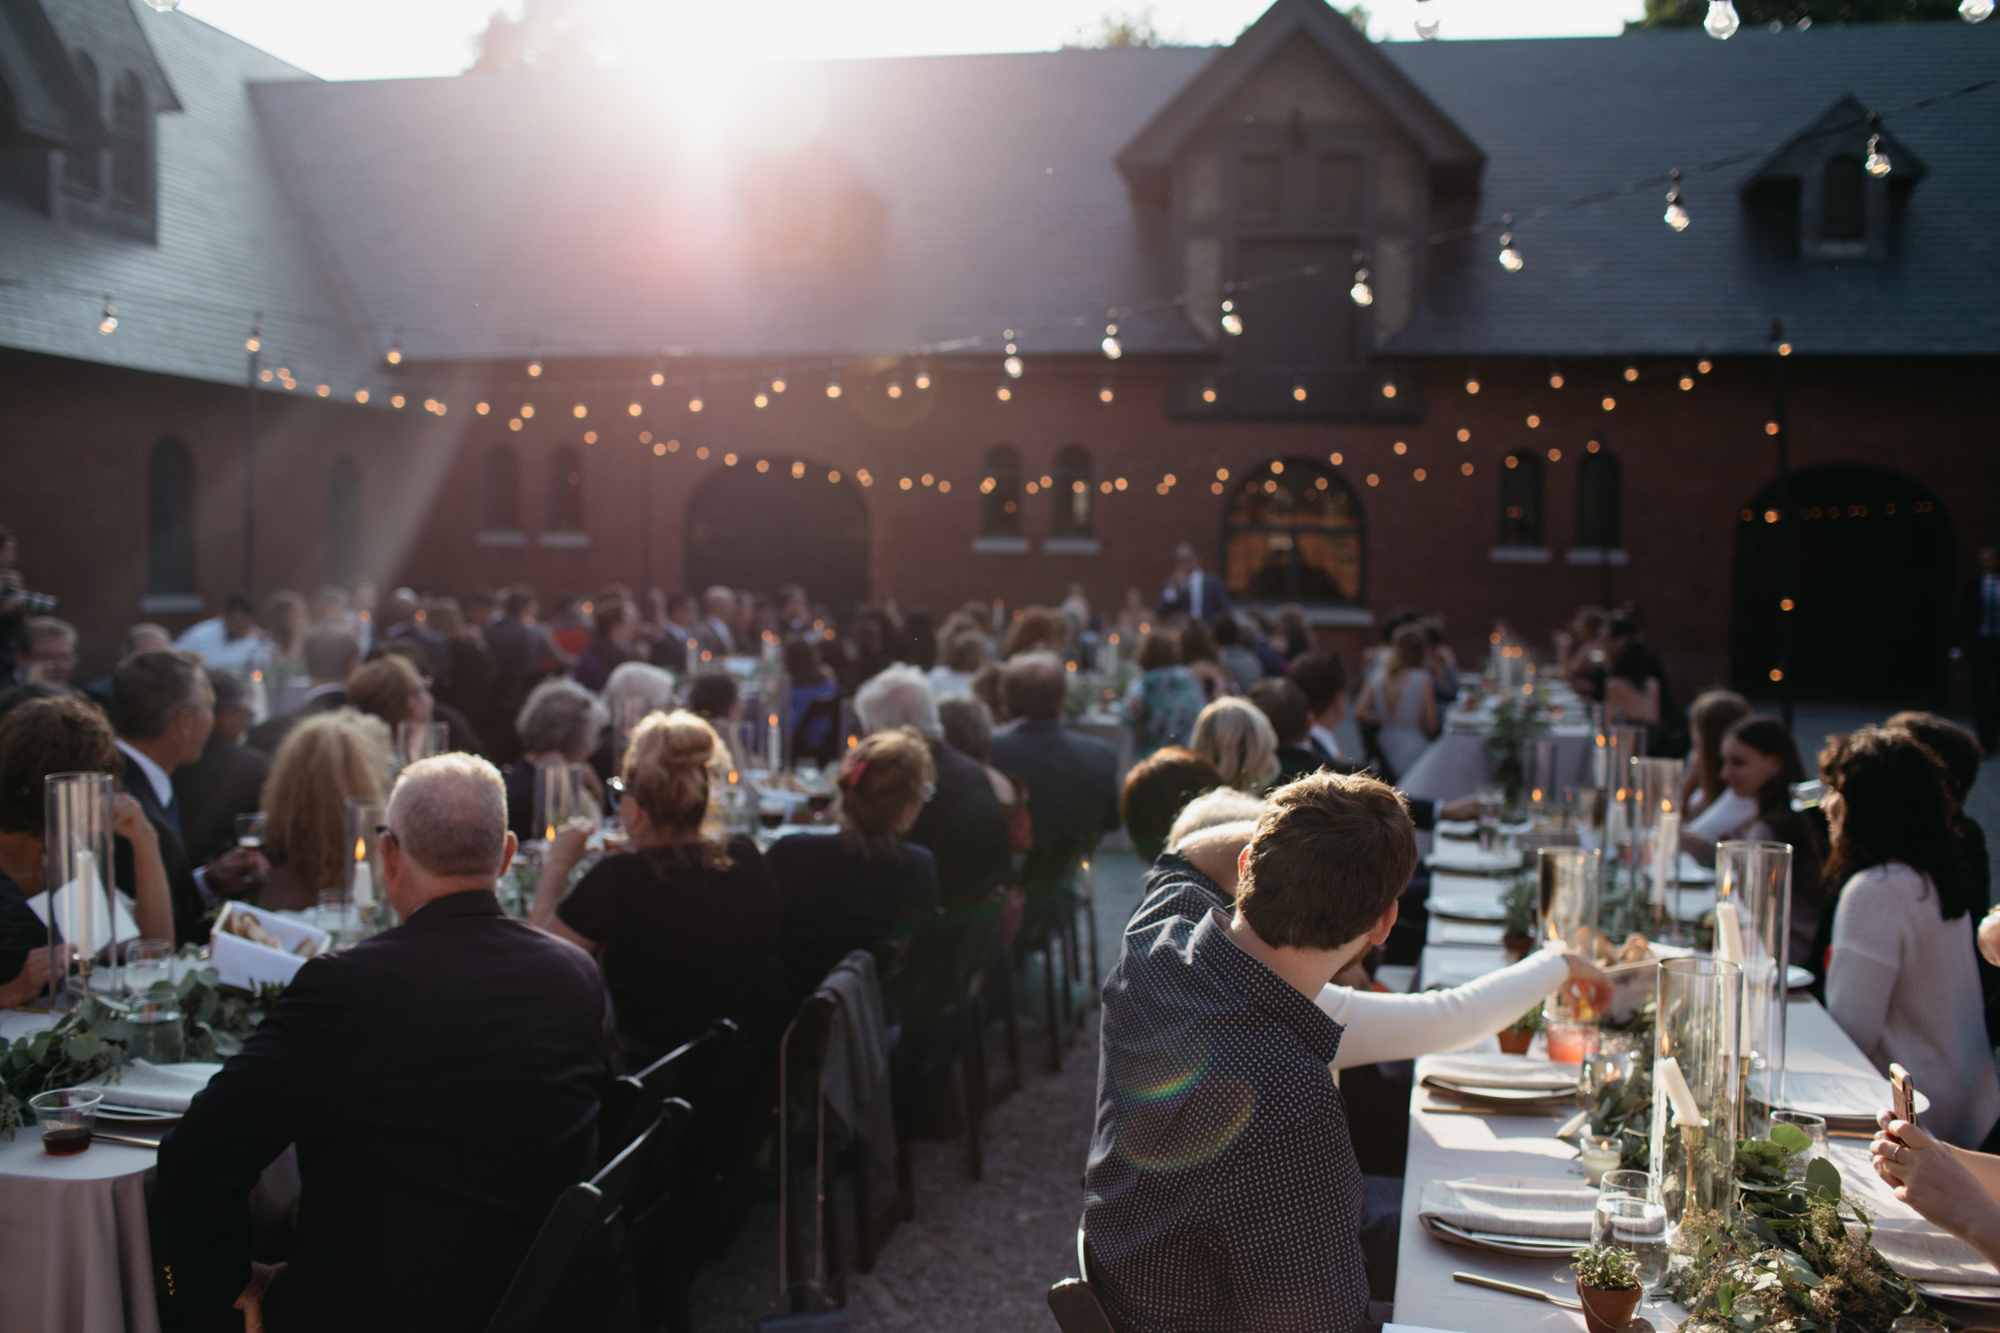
148 963
77 844
556 797
1570 1043
1568 904
421 740
1695 1087
1813 1127
1756 877
157 1032
68 1117
1910 1323
336 916
1542 776
250 830
1638 1226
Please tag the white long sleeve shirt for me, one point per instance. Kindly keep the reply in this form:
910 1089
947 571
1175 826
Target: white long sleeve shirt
1382 1026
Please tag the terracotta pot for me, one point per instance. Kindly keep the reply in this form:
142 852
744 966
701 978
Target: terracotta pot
1607 1311
1517 947
1515 1043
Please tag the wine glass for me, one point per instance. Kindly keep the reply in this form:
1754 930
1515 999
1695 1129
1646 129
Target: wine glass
250 830
1638 1226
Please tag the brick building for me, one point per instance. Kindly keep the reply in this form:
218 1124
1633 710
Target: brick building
534 327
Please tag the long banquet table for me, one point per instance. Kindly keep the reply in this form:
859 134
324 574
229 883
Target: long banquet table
1446 1146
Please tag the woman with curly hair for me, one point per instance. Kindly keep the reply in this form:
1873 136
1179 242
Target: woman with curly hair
324 762
1901 979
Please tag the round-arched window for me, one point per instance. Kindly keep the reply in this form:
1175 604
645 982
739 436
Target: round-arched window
1294 533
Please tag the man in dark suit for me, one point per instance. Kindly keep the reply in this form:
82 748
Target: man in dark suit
963 823
163 711
1072 779
1284 704
228 779
331 655
441 1081
1192 591
516 644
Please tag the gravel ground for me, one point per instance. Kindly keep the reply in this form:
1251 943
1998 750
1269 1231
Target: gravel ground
979 1258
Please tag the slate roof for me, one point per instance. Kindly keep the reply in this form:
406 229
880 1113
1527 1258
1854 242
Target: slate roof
501 215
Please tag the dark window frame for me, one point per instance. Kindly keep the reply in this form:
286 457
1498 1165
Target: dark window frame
1295 472
566 496
169 518
83 168
1523 510
1073 468
1003 469
1599 502
501 489
131 144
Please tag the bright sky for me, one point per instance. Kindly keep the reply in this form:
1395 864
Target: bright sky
379 39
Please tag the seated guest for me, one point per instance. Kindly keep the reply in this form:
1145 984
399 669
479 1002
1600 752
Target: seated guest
1165 699
559 724
285 624
1760 762
515 642
815 731
1197 650
441 1081
677 616
1072 779
403 619
1221 1174
144 637
228 778
1959 750
424 707
613 640
1955 1188
649 689
1322 678
1629 691
712 696
326 762
1709 719
1399 700
965 651
1225 806
1245 668
1901 978
331 656
964 822
685 925
51 654
968 729
60 735
1156 789
393 689
861 889
1234 736
468 687
229 641
1762 745
163 710
1283 705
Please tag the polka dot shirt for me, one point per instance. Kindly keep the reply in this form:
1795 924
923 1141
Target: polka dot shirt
1221 1191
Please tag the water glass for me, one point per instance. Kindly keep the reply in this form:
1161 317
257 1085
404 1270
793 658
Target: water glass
421 740
250 830
68 1117
1638 1226
337 917
148 963
158 1035
1910 1323
1813 1127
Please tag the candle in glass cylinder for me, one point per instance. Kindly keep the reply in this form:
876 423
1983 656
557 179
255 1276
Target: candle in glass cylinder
83 902
1667 1073
1728 934
1666 852
363 894
776 743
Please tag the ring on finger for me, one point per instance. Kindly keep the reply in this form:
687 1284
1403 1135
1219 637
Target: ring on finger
1897 1155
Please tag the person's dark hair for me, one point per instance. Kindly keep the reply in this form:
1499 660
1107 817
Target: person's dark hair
1197 645
712 694
1629 663
968 726
1711 716
1226 631
1157 650
610 614
388 686
1770 737
1330 855
330 654
1156 791
27 692
987 687
238 603
1285 705
1034 685
230 691
1322 677
147 689
1958 748
802 660
43 736
1038 628
681 601
1620 627
880 778
1895 808
517 600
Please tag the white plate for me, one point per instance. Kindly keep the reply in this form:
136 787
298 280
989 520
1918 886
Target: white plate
1455 907
1797 978
1531 1246
136 1114
1454 858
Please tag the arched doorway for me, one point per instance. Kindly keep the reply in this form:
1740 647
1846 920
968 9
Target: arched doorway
1871 589
759 530
1293 533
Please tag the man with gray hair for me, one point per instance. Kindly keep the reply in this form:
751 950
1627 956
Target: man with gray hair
963 824
441 1081
1072 779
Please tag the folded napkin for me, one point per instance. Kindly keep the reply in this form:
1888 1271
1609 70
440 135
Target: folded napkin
1928 1253
1498 1071
154 1087
1547 1209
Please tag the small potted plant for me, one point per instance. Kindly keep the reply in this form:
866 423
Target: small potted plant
1517 1036
1607 1282
1517 934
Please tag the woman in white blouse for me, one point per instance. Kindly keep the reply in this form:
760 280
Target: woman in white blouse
1902 979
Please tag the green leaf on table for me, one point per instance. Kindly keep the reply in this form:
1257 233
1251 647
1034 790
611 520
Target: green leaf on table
83 1047
1823 1179
1790 1137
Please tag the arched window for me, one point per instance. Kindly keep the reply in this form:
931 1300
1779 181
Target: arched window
1070 496
1844 205
80 164
1000 489
1294 534
503 490
343 523
566 490
169 519
131 171
1597 502
1521 500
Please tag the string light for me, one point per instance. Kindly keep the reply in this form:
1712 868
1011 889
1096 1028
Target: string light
1472 384
1003 393
1464 435
1877 162
1298 391
361 395
164 6
1533 421
1631 373
254 343
1465 469
1105 394
1401 447
1361 293
1426 25
1208 391
1113 349
1555 379
1232 323
778 385
658 378
323 390
1687 382
1610 403
762 400
1704 365
535 369
108 325
1388 388
1721 22
527 412
1676 215
395 354
895 389
833 385
1013 364
1975 11
694 405
482 408
1510 258
923 380
580 411
396 401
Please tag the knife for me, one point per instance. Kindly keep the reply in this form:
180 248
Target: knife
120 1138
1531 1293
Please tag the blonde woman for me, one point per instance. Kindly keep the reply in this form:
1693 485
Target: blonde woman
325 761
1400 700
1235 736
686 924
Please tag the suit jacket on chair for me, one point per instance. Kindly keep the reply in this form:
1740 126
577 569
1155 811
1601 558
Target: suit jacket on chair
441 1081
185 894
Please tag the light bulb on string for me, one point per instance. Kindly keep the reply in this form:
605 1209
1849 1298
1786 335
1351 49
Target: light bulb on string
778 385
1721 22
534 367
1298 391
833 385
255 342
1003 393
1361 293
1426 25
1877 161
1510 258
1013 364
1975 11
1676 215
1105 394
923 380
1232 323
395 354
1113 349
164 6
1208 391
895 389
108 324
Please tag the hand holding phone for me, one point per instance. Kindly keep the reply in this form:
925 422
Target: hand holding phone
1903 1092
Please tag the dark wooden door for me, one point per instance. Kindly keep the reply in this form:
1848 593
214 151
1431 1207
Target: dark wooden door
759 530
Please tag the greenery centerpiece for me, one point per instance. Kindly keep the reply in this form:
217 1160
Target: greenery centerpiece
1607 1282
1517 720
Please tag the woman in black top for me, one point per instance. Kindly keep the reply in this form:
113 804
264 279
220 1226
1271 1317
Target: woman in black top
861 889
685 925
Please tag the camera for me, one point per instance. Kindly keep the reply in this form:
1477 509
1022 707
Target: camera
31 603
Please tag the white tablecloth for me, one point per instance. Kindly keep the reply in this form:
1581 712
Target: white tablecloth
75 1256
1455 765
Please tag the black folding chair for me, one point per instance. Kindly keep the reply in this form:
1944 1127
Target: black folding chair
633 1101
1074 1302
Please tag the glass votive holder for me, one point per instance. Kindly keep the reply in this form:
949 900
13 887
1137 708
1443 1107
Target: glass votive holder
1810 1125
1598 1155
148 963
336 915
68 1117
157 1033
1570 1043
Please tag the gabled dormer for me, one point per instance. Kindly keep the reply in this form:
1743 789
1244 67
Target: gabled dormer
1818 195
110 182
1299 148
